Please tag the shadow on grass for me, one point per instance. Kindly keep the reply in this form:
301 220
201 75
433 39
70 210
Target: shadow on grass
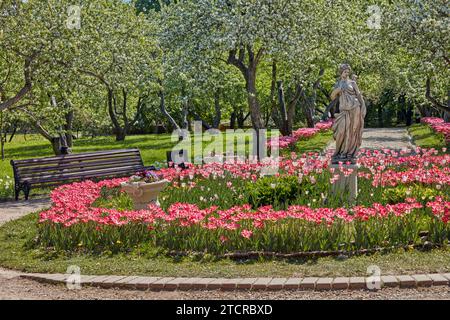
36 151
428 135
110 143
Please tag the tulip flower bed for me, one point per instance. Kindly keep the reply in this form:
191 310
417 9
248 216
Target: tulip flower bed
229 208
439 126
302 133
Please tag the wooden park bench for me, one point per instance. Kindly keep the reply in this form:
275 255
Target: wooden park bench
54 171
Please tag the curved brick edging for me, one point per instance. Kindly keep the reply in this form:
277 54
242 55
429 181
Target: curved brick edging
272 284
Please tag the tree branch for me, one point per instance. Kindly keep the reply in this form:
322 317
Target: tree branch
162 106
237 62
447 60
317 83
297 95
97 76
259 55
124 108
434 101
198 118
37 124
7 76
138 109
27 73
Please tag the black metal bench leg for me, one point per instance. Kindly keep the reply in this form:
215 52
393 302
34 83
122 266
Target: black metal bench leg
17 189
26 190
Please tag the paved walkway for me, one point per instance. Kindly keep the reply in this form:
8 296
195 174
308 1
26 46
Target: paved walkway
390 138
15 210
12 211
383 138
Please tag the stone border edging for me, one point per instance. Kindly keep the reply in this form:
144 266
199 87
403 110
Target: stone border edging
253 284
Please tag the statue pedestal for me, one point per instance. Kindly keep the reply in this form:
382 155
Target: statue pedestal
347 183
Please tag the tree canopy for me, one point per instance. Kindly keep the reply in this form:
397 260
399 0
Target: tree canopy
113 66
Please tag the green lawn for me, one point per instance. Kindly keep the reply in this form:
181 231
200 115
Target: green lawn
423 136
315 144
16 235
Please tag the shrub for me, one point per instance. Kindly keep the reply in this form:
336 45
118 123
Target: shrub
276 191
402 192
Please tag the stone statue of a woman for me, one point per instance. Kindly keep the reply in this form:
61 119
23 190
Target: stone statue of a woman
349 123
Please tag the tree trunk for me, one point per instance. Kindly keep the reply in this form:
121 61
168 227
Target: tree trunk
284 116
185 113
308 115
205 124
162 106
2 136
409 113
13 132
233 120
126 123
68 128
118 130
218 111
401 111
438 105
424 111
184 109
274 110
307 111
241 119
56 145
310 102
60 144
2 142
447 114
291 108
54 141
249 73
120 134
380 115
138 115
253 103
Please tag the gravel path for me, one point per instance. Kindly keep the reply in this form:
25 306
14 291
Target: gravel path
391 138
16 288
383 138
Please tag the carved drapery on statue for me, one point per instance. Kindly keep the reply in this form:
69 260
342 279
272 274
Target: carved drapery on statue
349 123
